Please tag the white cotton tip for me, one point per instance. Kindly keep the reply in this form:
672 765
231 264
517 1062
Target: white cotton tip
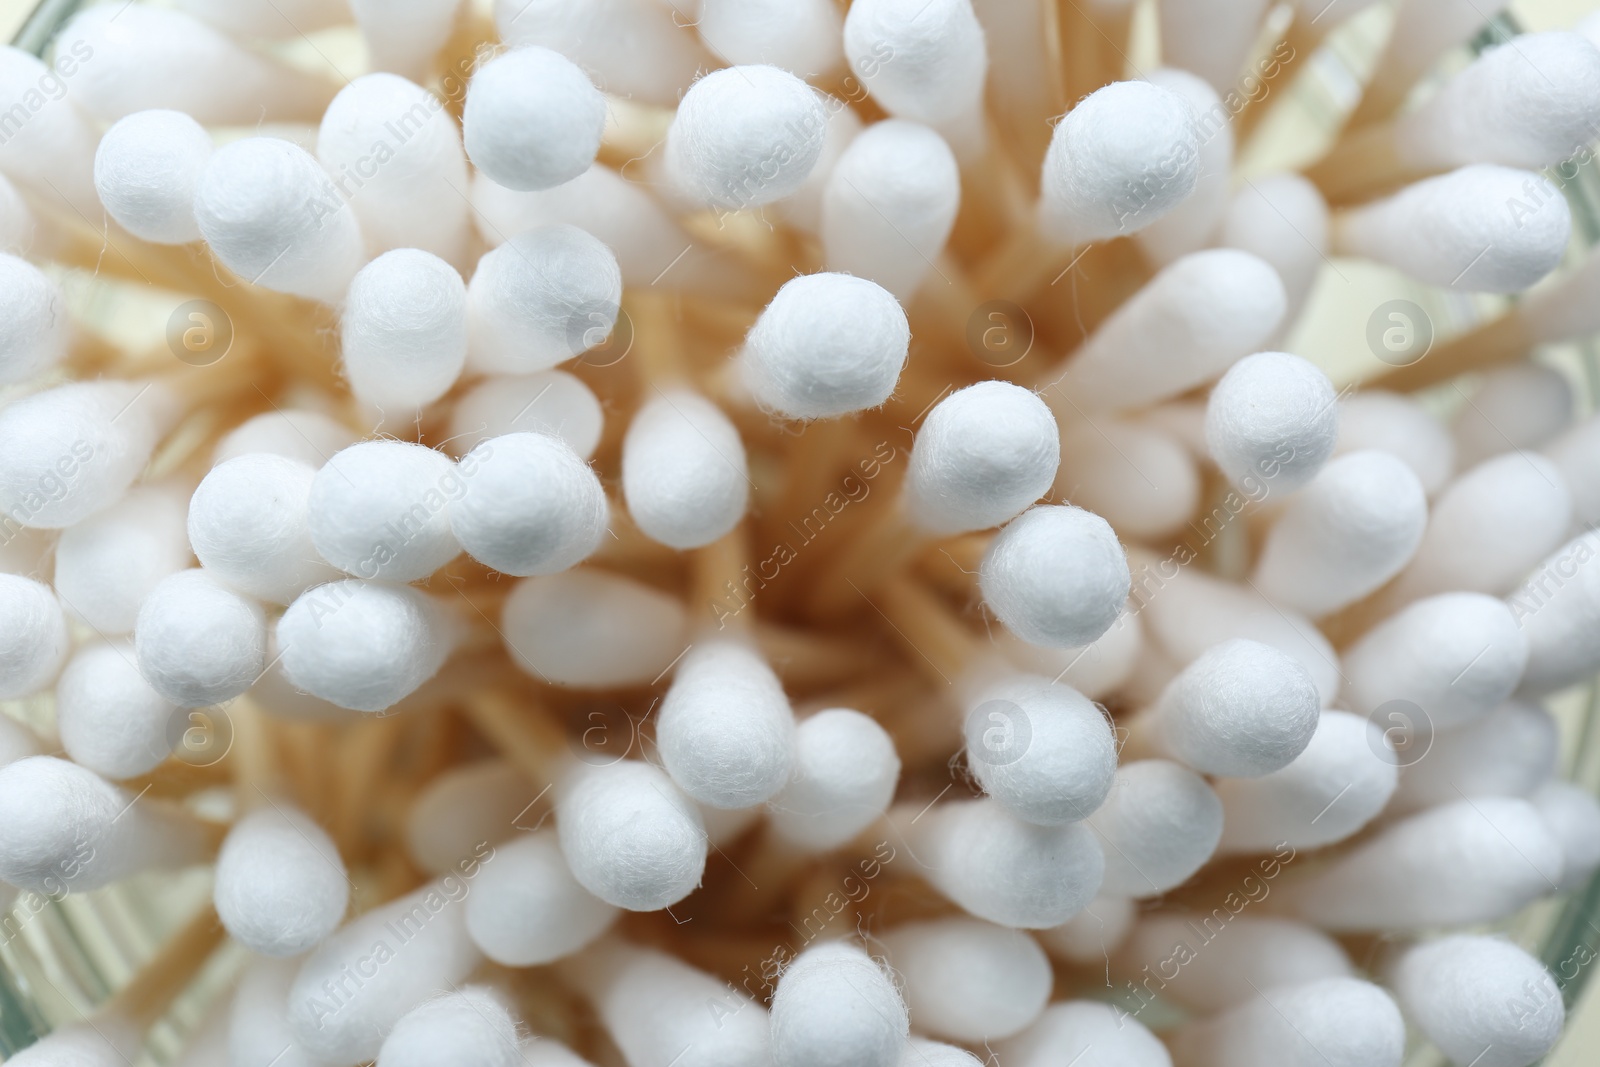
920 1052
1206 964
199 642
1055 575
272 216
249 523
404 952
630 836
800 36
271 20
1140 480
1090 936
381 509
967 980
63 827
17 223
1481 228
1480 1000
1044 752
845 772
630 47
362 645
744 136
109 718
683 470
1123 157
76 448
146 170
1529 106
1523 405
1334 1022
834 1005
1558 607
462 813
1355 526
1283 219
548 1052
280 884
591 629
1005 870
1491 526
51 153
1273 417
1094 670
1088 1031
308 436
1510 752
530 505
467 1027
982 456
533 119
922 61
403 333
405 36
547 401
1159 824
1186 613
826 345
725 729
655 1006
1335 787
35 329
1573 815
1192 224
541 298
109 562
1455 657
1242 709
526 909
395 154
1192 321
1576 455
106 1042
1469 861
258 1024
1389 422
33 636
889 205
149 57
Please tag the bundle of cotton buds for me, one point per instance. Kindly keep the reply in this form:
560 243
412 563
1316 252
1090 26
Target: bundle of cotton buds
710 532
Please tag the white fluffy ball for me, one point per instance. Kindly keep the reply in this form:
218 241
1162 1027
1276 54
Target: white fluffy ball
1056 576
826 345
530 505
249 523
533 119
199 642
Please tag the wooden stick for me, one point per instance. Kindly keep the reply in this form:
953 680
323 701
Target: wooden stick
1363 164
147 995
807 659
1500 340
1301 39
879 552
1093 47
364 753
523 731
937 643
717 590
